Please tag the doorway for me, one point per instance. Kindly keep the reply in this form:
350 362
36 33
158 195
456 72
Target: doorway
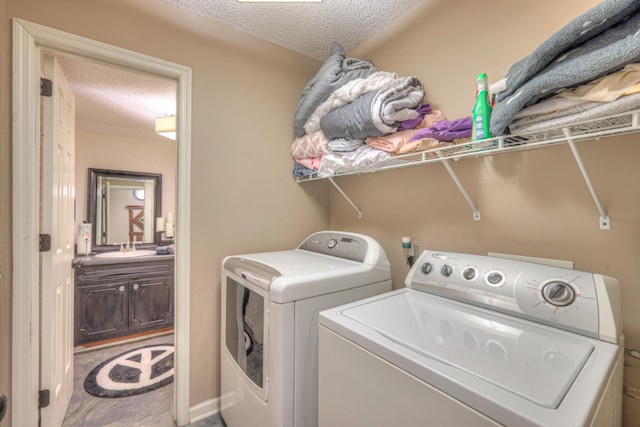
125 178
29 41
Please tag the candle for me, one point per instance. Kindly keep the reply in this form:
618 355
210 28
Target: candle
160 224
170 218
169 231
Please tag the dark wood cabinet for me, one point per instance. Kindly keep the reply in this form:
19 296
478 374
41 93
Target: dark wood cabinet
118 298
151 304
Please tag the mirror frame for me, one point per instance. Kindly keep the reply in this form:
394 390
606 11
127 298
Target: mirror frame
91 203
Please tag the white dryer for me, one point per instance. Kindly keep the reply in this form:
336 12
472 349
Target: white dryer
270 307
476 341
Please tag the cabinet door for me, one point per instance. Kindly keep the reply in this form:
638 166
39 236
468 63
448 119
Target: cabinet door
101 311
151 304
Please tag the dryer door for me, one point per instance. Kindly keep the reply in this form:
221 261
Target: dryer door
246 330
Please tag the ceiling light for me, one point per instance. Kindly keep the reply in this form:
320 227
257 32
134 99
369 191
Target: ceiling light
166 126
279 1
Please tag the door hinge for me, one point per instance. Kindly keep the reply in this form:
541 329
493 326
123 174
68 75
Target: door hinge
46 87
45 242
43 398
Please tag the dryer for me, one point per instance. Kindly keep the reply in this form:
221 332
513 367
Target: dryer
270 307
475 340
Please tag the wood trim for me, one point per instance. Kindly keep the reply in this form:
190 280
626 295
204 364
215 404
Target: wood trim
121 340
28 39
183 251
25 343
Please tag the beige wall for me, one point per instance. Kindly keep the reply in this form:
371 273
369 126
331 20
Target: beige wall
532 203
244 198
124 153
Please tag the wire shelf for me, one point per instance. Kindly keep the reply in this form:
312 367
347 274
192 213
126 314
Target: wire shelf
618 124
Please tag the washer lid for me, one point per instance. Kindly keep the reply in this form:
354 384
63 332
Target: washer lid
535 363
298 274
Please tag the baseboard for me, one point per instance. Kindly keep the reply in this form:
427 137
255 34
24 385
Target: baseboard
204 409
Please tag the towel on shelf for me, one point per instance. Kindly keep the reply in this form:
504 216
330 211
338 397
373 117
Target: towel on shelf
313 145
342 145
336 71
422 111
301 171
447 131
347 94
362 159
608 51
586 26
375 113
607 88
592 111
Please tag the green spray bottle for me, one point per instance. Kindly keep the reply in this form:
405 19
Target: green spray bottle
482 111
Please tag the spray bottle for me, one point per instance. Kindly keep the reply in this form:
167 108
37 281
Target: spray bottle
482 110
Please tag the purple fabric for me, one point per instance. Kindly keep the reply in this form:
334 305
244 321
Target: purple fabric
411 124
446 130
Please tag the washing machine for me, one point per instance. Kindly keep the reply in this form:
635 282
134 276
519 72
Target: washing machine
270 307
476 341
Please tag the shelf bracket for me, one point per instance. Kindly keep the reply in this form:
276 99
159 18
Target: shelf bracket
605 222
346 197
476 212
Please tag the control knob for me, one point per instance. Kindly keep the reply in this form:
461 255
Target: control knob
495 278
558 293
469 273
426 268
446 270
332 243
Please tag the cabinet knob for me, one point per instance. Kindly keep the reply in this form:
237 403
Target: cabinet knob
136 287
121 288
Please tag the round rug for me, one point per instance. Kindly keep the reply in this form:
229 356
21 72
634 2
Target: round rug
132 372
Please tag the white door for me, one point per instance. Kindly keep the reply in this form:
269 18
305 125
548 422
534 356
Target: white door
57 219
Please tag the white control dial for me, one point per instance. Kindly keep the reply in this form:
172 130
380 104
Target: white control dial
558 293
426 268
332 243
469 273
446 270
494 278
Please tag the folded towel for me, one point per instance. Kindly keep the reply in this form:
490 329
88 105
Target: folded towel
447 131
164 250
607 52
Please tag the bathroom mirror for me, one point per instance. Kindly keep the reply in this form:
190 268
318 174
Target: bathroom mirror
122 206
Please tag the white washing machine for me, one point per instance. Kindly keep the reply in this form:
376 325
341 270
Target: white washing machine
476 341
270 307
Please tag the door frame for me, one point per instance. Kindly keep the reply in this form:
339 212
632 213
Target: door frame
28 40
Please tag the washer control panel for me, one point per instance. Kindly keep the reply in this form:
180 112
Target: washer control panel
343 245
559 297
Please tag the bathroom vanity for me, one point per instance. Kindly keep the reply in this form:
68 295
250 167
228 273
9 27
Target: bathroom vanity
116 297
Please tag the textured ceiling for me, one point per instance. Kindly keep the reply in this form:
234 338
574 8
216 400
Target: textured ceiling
306 28
114 100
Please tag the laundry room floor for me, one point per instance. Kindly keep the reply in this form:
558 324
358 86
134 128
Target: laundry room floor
152 408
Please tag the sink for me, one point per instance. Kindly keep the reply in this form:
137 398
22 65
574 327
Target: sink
126 254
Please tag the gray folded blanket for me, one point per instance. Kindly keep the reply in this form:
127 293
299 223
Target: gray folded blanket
578 31
607 52
334 73
375 113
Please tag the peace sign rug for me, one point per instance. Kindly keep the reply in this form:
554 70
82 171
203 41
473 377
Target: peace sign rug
132 372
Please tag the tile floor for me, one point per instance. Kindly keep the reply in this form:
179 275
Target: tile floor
144 410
